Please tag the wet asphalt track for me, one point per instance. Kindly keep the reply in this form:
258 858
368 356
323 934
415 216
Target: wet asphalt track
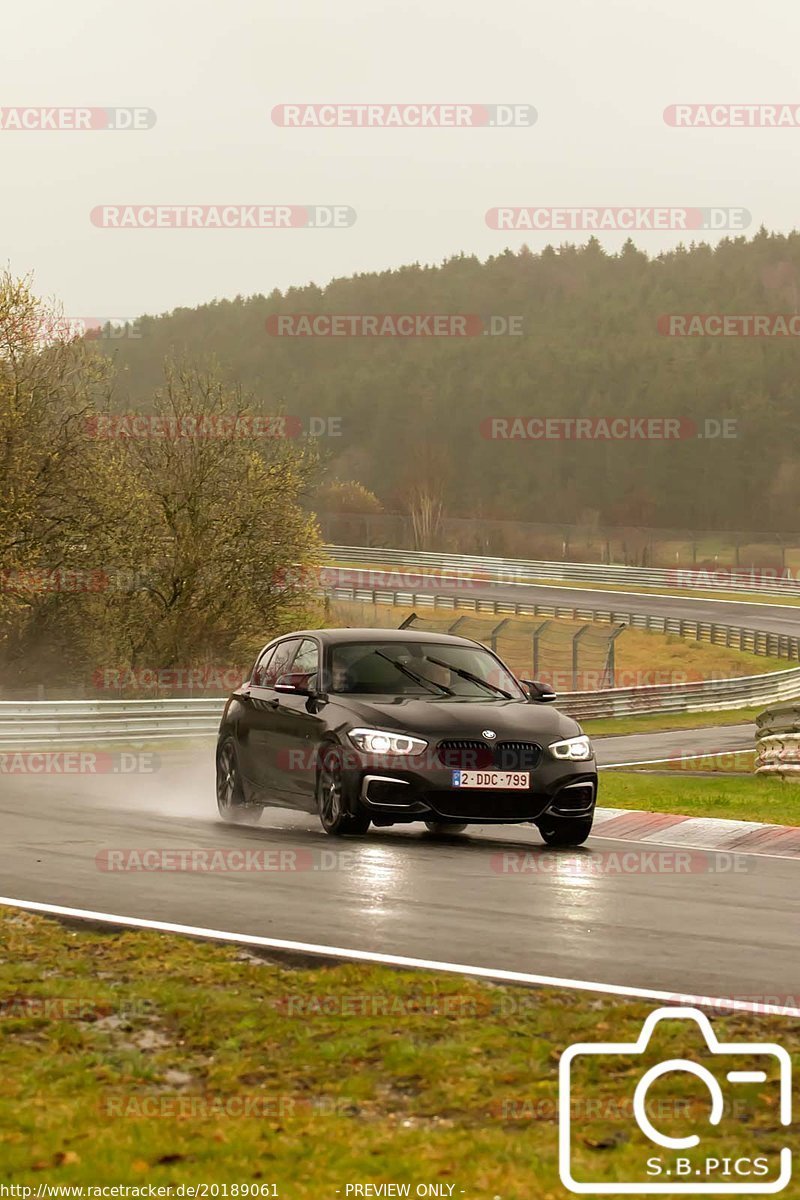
710 932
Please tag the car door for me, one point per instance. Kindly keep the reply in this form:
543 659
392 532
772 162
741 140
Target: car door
245 706
258 723
298 732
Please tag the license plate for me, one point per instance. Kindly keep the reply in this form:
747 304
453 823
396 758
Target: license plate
493 781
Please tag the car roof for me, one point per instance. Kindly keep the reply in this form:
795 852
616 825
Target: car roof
339 637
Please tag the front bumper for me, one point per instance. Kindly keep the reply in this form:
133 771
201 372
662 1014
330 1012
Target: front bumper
392 795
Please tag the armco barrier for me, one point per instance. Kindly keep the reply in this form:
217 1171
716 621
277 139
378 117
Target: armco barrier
749 691
778 742
75 722
505 570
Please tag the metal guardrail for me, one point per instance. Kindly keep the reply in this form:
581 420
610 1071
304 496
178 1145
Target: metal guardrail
778 742
511 570
712 694
73 722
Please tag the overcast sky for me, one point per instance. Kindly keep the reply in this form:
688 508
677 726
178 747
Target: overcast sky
598 72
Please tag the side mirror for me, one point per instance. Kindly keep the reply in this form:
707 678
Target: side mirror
296 683
538 693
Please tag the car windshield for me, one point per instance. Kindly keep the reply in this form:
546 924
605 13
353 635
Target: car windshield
420 669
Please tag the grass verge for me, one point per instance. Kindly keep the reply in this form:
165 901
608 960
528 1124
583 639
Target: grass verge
749 798
137 1058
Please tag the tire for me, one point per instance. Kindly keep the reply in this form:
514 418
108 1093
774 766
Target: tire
231 803
565 831
332 800
444 828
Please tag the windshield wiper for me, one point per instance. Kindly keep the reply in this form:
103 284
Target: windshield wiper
472 678
412 674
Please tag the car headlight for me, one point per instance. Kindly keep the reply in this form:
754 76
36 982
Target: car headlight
575 749
379 741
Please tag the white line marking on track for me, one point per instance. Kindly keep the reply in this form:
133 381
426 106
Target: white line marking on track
651 762
399 960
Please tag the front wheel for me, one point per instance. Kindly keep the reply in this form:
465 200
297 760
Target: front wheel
333 815
230 794
565 831
443 828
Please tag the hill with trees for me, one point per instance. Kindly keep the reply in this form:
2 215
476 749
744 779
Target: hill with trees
407 416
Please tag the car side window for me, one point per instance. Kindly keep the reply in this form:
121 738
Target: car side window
259 670
307 658
280 663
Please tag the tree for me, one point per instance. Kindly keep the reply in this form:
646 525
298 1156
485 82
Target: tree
175 541
346 496
228 549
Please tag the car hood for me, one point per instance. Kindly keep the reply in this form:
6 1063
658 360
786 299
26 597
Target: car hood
513 720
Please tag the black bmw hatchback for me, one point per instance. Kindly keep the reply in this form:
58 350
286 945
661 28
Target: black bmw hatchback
389 726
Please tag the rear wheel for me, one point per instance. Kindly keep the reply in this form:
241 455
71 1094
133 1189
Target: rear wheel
443 828
331 801
565 831
230 794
